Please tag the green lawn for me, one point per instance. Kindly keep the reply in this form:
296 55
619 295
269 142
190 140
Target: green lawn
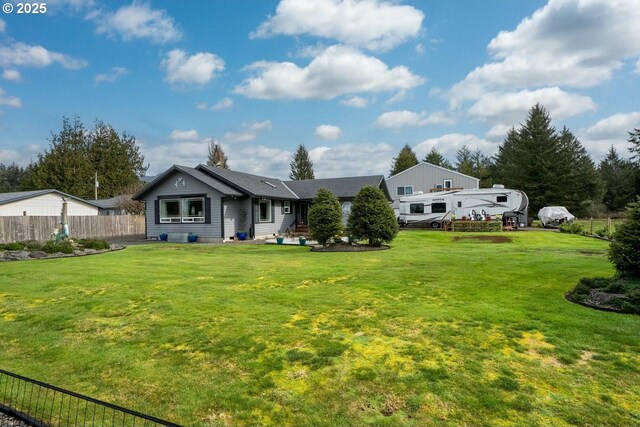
431 332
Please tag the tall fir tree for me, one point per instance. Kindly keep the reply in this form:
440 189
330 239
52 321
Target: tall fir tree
616 173
301 165
75 156
634 149
436 158
216 156
546 165
406 158
11 176
464 162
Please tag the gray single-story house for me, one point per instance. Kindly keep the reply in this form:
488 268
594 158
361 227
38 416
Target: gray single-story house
215 203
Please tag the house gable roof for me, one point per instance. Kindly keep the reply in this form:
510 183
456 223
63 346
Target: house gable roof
346 187
194 173
24 195
427 164
251 185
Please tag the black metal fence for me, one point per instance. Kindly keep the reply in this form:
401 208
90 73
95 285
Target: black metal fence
44 405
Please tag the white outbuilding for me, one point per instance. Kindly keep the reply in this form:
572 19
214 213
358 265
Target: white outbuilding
44 203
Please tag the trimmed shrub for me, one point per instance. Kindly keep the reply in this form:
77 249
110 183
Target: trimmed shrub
53 247
477 226
325 217
624 251
572 228
14 246
372 217
96 244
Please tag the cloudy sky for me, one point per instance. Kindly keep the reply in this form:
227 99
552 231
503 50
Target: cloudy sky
353 80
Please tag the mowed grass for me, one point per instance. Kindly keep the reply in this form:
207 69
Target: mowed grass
431 332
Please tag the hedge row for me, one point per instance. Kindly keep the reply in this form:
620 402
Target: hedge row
476 226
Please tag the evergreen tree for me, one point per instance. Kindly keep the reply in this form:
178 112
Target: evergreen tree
406 158
116 159
436 158
551 168
464 161
75 155
580 175
216 156
11 177
325 217
624 251
616 173
372 217
634 140
301 165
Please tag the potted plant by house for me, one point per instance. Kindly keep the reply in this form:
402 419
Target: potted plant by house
242 223
279 239
163 237
192 238
302 240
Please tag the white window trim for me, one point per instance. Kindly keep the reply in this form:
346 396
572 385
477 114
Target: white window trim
269 205
169 219
410 188
444 183
185 215
287 207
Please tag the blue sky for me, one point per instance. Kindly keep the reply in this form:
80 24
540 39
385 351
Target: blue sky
351 80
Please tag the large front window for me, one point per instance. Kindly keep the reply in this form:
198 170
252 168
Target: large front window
170 210
193 209
189 209
265 211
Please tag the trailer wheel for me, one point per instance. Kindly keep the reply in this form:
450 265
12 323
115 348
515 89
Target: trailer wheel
435 225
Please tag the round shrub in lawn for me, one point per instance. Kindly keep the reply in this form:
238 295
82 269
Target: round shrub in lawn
372 217
325 217
624 251
53 247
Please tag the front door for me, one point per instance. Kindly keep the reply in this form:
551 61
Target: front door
303 213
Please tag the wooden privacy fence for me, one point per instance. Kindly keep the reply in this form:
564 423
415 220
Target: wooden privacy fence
21 228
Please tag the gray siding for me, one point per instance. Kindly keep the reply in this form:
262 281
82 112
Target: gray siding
232 216
424 177
192 186
280 222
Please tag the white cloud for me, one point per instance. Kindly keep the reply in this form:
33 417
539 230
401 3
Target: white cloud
577 43
184 135
111 75
250 132
355 102
202 106
138 21
448 145
223 104
25 55
161 157
11 75
197 69
374 24
338 70
328 132
509 108
400 96
419 48
339 160
9 101
398 119
613 130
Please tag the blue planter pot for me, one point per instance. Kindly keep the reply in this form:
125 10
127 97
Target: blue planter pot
241 235
163 237
303 241
192 238
280 240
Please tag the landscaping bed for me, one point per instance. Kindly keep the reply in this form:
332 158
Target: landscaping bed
20 251
348 247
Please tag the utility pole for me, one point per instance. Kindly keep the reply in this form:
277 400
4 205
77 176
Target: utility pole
95 187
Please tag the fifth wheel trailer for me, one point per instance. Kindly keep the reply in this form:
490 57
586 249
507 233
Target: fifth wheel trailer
434 209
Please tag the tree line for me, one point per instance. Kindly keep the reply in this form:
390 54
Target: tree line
552 167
